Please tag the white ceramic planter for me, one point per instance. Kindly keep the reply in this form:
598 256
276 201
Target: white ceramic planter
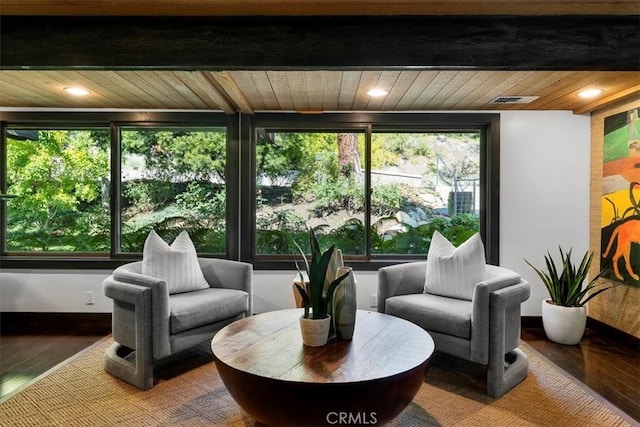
564 325
315 332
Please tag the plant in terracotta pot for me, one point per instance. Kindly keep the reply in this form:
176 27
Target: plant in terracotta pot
564 315
315 321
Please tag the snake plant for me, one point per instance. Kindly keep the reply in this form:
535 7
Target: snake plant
565 285
313 295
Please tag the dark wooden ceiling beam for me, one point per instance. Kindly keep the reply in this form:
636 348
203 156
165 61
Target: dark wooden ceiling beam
316 7
219 43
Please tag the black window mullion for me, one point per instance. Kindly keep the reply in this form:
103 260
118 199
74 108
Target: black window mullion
367 192
247 197
3 188
233 171
116 187
491 220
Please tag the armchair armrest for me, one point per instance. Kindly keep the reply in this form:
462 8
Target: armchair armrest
400 279
500 280
123 275
124 292
497 278
126 277
505 312
132 303
228 274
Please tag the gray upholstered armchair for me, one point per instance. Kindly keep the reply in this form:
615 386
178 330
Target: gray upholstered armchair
149 324
485 330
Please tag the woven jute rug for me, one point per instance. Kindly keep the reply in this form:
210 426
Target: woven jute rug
189 392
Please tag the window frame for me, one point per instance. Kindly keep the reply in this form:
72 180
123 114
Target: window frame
56 127
116 179
487 124
241 171
115 121
250 232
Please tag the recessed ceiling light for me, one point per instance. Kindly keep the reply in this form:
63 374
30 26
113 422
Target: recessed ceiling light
377 93
590 93
76 91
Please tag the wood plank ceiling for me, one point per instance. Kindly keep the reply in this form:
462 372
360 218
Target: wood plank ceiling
313 91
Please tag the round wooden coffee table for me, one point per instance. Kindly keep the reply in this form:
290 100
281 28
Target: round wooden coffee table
280 382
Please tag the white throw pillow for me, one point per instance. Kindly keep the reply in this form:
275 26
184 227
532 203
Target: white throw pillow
454 272
176 264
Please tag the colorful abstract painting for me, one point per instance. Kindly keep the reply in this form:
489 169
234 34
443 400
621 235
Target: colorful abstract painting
620 247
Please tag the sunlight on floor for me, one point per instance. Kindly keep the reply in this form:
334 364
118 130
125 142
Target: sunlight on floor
8 385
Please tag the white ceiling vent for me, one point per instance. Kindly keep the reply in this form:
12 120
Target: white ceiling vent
514 99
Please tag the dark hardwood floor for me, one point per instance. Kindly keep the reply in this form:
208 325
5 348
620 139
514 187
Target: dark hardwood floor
607 363
30 346
32 343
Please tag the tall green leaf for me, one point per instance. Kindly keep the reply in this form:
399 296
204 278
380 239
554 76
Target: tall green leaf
565 287
314 297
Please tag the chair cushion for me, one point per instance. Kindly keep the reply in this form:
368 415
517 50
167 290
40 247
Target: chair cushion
192 309
177 264
434 313
454 272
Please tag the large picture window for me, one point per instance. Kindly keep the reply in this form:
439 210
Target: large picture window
88 187
173 179
377 186
422 182
309 179
60 179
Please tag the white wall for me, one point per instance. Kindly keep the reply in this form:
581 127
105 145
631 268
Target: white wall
544 202
544 191
52 290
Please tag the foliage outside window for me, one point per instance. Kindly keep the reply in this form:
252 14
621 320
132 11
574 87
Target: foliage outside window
423 182
420 182
173 179
60 178
308 179
90 186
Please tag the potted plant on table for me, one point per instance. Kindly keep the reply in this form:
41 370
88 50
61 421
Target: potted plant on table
315 322
564 315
